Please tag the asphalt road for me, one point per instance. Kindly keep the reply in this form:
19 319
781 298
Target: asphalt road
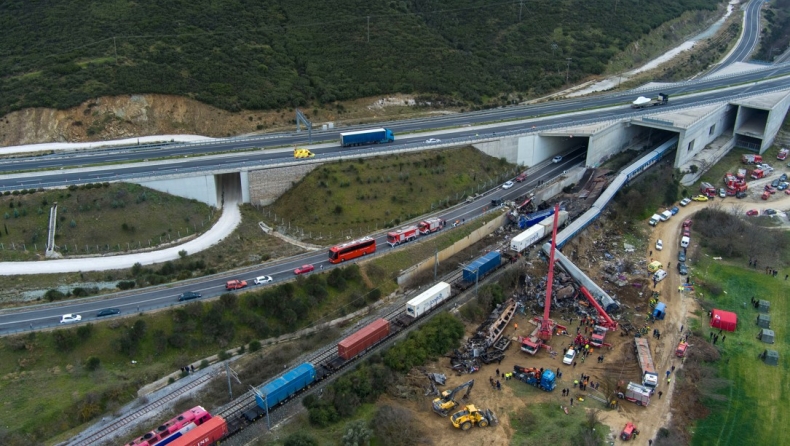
47 316
750 39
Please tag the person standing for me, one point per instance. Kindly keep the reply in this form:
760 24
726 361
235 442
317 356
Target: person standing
660 393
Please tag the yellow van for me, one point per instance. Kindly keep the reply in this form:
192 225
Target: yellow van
654 266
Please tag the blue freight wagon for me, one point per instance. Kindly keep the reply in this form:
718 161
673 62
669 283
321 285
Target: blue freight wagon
482 266
282 388
525 221
362 137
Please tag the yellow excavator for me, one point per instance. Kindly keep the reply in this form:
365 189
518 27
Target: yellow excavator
446 401
471 415
302 153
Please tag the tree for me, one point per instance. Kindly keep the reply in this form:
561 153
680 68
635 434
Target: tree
395 426
300 439
92 363
357 434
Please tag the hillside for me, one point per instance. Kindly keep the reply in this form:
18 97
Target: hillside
250 55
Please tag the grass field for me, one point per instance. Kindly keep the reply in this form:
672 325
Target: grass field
547 424
112 218
346 198
754 410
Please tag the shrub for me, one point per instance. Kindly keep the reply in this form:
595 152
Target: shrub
54 295
255 346
204 363
92 363
223 355
85 331
125 285
300 439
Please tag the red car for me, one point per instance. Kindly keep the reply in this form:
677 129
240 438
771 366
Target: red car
687 224
752 212
686 232
521 177
304 269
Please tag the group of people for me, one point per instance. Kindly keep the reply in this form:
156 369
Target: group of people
188 369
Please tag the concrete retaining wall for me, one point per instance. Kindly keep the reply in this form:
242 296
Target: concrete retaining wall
267 185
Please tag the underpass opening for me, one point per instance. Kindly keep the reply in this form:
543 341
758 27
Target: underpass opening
228 188
750 126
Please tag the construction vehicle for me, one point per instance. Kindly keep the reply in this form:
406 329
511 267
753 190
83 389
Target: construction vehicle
542 334
604 320
629 432
430 225
471 415
446 401
751 159
643 102
542 379
302 153
649 375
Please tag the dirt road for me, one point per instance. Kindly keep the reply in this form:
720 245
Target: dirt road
680 307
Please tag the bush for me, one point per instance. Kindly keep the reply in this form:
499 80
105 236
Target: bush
203 364
92 363
85 331
357 434
125 285
223 355
300 439
54 295
255 346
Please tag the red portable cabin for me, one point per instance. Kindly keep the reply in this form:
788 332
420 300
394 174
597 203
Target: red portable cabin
208 433
363 339
723 320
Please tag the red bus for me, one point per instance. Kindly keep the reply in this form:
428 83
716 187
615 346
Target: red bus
352 250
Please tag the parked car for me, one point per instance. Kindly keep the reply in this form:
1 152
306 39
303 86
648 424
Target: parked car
69 318
682 269
682 255
722 193
508 185
783 185
700 198
675 210
556 159
189 295
775 183
304 269
686 232
687 223
263 279
685 201
769 212
787 191
108 312
752 212
659 245
570 355
740 195
783 177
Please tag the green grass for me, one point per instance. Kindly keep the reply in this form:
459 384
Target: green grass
363 195
101 218
327 436
757 394
543 424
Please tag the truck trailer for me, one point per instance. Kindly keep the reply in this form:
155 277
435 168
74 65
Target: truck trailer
428 299
527 238
482 266
643 102
649 375
545 380
364 137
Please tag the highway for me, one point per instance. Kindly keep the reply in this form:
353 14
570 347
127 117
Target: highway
49 315
750 39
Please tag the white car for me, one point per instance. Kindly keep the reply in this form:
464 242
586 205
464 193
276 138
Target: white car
685 201
507 185
263 279
433 141
69 318
570 355
556 159
659 245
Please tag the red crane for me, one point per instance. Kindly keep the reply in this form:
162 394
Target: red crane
546 324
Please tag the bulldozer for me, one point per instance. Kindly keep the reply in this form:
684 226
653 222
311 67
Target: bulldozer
446 401
302 153
471 415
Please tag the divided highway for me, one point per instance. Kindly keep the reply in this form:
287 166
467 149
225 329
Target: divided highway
47 315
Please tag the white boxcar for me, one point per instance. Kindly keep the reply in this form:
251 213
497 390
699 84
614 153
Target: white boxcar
428 299
548 222
527 238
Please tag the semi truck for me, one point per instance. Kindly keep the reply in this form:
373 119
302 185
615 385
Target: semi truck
482 266
649 375
643 102
364 137
402 235
545 380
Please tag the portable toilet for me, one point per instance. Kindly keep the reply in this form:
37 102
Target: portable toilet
660 311
766 336
763 306
764 321
771 357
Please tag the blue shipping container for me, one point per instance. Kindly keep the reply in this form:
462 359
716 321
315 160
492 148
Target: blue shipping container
536 217
283 387
482 266
361 137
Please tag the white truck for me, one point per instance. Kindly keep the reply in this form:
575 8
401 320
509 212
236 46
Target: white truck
654 219
430 298
643 102
649 375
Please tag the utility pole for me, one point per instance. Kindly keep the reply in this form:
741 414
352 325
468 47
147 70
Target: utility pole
435 264
568 69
